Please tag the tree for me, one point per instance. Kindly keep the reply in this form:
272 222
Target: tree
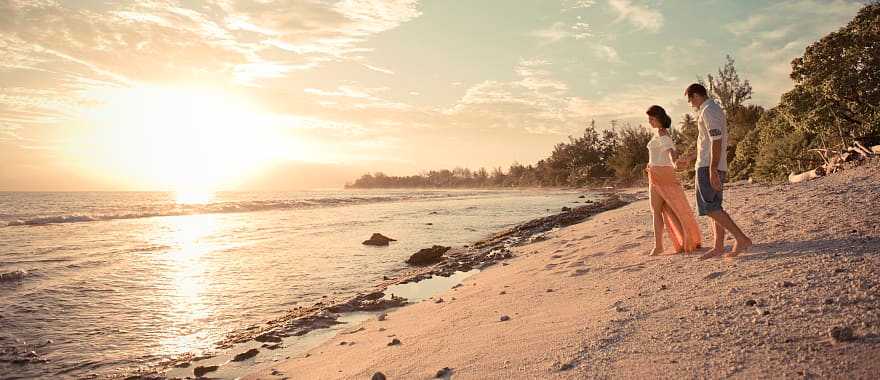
838 77
727 87
631 156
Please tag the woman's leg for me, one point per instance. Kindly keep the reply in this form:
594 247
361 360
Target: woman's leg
657 205
676 224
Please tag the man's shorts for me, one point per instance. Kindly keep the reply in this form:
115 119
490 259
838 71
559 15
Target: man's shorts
708 199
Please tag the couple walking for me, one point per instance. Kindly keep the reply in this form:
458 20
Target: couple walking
669 206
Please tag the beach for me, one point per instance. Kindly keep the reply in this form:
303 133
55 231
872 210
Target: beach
588 302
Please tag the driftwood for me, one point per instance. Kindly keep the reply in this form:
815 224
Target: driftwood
835 161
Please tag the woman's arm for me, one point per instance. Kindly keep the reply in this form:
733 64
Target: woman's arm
673 154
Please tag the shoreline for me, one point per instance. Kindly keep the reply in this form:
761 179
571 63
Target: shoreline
587 303
329 318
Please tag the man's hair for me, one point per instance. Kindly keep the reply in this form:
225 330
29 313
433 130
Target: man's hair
660 114
696 88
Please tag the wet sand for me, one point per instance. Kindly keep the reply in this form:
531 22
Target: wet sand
589 303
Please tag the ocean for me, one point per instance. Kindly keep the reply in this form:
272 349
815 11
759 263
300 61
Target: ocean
97 283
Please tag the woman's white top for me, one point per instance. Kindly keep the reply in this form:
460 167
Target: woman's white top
658 150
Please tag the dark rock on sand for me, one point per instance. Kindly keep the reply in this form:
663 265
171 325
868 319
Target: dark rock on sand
428 256
246 355
446 371
504 318
267 337
378 376
202 370
368 302
751 303
378 240
566 209
394 342
841 334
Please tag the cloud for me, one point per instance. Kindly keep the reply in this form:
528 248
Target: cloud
642 17
559 31
56 53
570 5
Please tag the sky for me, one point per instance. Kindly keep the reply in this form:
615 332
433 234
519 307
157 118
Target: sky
282 95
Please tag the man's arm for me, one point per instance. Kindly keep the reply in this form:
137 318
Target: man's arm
715 124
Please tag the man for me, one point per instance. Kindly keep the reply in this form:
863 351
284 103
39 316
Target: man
711 166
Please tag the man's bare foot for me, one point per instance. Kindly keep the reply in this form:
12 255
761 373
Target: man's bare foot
714 252
656 251
740 247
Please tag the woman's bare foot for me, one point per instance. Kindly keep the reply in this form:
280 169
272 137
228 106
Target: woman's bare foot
656 251
714 252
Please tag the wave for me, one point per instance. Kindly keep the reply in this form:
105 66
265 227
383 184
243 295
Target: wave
215 208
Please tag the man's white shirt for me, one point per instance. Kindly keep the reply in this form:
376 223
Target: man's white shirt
712 126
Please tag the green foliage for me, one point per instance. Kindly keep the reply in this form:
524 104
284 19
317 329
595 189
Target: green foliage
837 91
632 155
727 88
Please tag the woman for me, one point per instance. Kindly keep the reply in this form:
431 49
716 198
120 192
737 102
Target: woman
668 202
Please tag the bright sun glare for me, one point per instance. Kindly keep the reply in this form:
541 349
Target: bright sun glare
189 141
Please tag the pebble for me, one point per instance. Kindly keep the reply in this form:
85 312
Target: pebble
378 376
841 334
246 355
446 371
751 303
394 342
505 318
202 370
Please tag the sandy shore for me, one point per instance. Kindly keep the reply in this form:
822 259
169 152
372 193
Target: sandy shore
589 303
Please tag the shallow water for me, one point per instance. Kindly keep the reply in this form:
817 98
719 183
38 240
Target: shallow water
121 280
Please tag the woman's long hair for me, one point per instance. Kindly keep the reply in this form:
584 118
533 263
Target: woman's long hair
660 114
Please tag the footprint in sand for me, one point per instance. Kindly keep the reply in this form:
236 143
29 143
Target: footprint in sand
580 272
626 247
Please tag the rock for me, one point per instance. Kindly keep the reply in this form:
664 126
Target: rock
378 240
502 293
271 346
751 303
841 334
429 224
446 371
439 300
202 370
549 290
566 209
582 196
663 287
268 337
504 318
182 365
394 342
428 256
785 284
378 376
381 317
246 355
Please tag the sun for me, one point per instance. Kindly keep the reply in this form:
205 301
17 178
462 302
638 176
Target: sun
191 141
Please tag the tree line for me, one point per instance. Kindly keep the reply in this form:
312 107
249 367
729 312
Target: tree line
835 101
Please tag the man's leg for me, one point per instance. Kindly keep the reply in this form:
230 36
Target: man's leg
723 220
718 239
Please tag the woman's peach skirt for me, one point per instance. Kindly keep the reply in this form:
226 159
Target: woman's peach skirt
664 181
